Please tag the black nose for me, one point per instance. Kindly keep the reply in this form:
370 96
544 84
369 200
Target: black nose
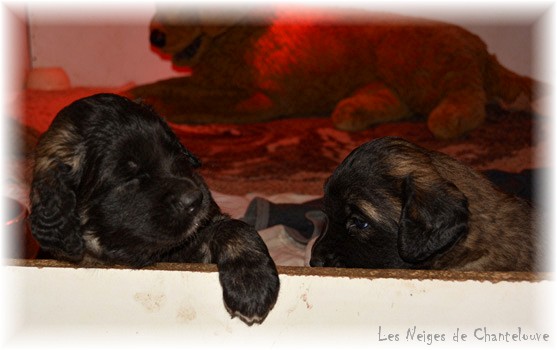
189 202
157 38
316 262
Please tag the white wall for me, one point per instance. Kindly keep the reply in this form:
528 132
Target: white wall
108 45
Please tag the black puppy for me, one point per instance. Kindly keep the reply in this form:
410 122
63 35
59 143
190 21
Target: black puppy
113 184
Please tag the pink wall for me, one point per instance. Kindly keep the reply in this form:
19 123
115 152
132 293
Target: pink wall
14 46
109 46
97 48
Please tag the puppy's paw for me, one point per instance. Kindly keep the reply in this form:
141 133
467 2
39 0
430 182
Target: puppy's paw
250 286
247 273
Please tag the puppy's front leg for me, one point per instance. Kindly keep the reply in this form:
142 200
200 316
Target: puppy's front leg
247 272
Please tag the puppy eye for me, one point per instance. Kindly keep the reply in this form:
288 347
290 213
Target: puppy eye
357 223
132 167
133 171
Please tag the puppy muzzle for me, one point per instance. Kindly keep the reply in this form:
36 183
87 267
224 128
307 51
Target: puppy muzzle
188 202
184 196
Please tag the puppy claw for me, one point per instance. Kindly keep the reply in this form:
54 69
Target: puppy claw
253 307
249 320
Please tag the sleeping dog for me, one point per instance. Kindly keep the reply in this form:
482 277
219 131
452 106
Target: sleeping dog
361 68
112 184
393 204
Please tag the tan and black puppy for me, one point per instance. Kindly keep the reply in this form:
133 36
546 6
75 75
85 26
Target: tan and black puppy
113 184
393 204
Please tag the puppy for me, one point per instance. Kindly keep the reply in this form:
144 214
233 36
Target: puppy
392 204
112 184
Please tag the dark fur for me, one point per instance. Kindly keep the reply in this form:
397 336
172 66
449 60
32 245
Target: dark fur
392 204
113 184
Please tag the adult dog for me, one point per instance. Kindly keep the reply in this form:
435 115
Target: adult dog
360 68
393 204
113 184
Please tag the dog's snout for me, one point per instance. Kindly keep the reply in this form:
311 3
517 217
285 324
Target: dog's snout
157 38
189 201
316 262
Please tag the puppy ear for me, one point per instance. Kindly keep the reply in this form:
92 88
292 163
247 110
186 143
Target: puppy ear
54 221
432 218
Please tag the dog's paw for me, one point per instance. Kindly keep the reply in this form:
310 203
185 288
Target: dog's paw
372 105
456 115
250 286
350 116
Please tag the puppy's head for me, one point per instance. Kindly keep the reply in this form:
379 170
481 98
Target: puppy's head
113 182
389 207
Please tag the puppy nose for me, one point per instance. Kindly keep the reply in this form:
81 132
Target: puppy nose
190 201
157 38
316 262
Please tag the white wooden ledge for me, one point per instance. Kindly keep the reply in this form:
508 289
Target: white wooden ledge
56 305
